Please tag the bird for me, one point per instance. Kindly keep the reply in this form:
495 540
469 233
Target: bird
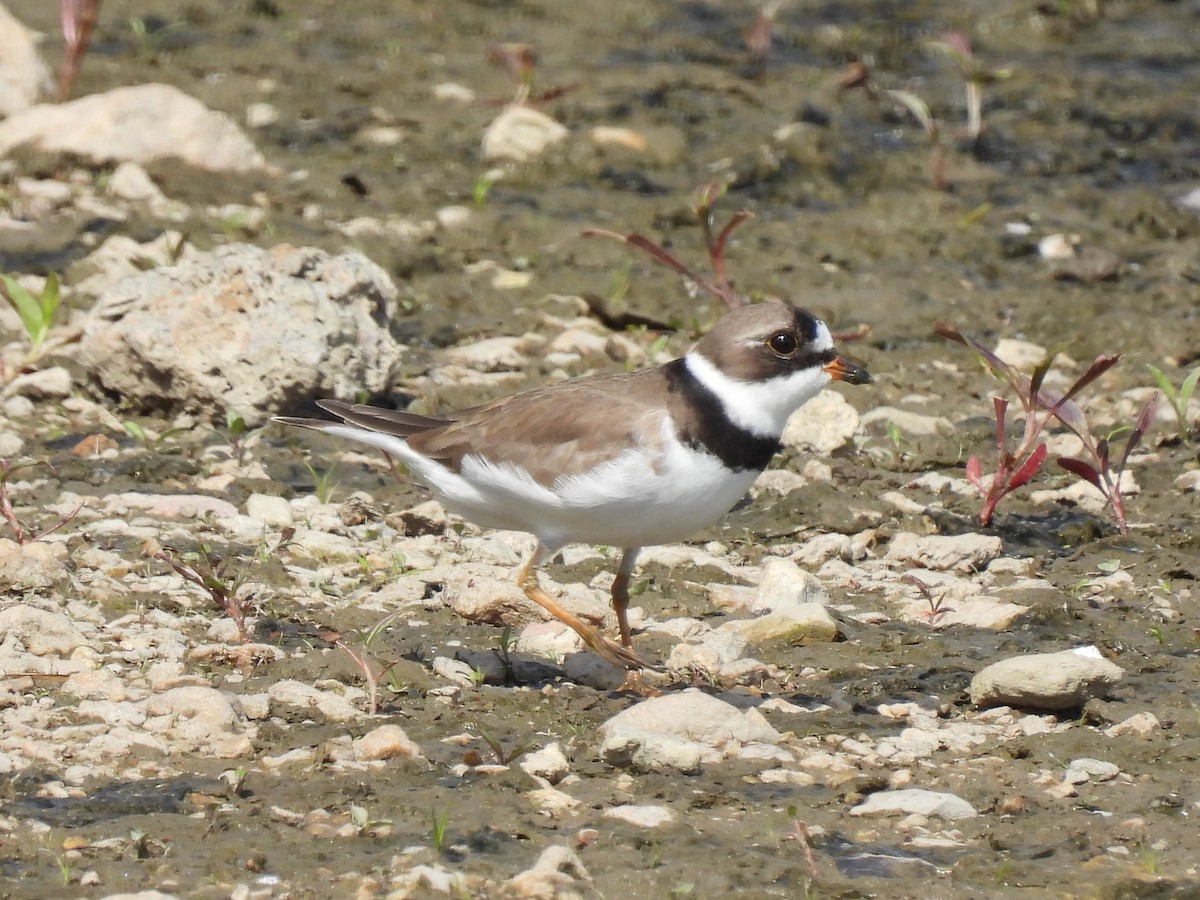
626 460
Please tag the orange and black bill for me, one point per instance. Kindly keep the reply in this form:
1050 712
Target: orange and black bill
841 369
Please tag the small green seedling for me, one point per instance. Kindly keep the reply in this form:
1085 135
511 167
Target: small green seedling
1179 399
36 313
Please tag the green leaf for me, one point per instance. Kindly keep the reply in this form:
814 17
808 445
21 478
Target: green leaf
234 422
1164 384
28 308
1189 385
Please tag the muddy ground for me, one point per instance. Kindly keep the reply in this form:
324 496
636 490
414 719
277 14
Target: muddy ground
1091 135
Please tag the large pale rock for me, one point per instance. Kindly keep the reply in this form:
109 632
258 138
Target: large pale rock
1045 680
201 718
245 329
40 631
140 124
914 801
823 424
804 623
962 553
679 731
332 706
30 566
386 742
24 77
785 584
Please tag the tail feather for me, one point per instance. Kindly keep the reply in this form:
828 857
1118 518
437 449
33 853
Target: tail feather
370 418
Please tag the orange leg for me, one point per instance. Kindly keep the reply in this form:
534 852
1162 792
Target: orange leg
620 593
617 654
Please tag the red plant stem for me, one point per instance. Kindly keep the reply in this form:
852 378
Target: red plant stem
79 20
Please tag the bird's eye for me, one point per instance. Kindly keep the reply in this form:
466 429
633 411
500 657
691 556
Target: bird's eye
783 343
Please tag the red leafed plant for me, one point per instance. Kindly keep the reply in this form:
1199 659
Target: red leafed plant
1018 466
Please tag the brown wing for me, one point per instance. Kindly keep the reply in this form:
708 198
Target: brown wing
566 428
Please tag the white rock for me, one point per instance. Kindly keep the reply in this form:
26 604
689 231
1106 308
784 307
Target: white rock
650 751
24 76
131 182
549 640
245 329
488 598
821 548
33 565
915 801
963 553
1098 769
168 506
1188 481
332 706
785 584
806 623
1063 680
548 763
692 716
822 425
386 742
450 91
39 631
496 354
557 875
260 115
1057 246
715 650
121 257
644 815
52 383
200 717
1022 354
11 444
1142 724
273 511
520 133
98 684
915 424
453 216
141 124
455 670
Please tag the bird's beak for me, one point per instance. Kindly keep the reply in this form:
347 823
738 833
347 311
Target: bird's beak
842 369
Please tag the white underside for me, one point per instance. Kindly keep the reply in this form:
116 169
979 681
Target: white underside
637 499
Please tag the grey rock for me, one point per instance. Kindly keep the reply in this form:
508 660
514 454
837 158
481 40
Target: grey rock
1045 681
245 329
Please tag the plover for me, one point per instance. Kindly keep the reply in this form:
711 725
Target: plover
626 460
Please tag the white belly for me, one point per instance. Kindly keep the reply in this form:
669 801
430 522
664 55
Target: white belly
635 500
